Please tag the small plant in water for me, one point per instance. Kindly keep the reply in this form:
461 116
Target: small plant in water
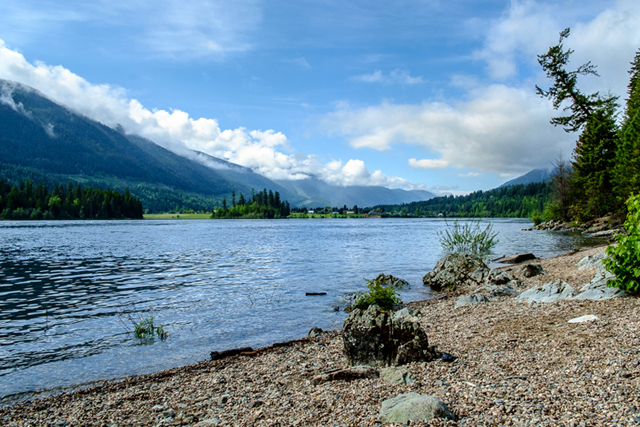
146 330
468 238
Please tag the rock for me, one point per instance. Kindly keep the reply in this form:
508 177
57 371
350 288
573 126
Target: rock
592 261
597 288
355 373
396 375
584 319
413 407
315 332
515 259
497 277
503 291
470 299
210 422
446 357
454 271
531 270
392 281
552 291
376 338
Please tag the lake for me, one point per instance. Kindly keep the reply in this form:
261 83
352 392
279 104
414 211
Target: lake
70 290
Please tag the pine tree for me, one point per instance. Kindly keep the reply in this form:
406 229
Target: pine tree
627 170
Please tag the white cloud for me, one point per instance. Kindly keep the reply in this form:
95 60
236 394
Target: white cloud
265 151
428 163
501 126
498 129
394 77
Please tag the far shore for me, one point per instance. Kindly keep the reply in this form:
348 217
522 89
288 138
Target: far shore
517 364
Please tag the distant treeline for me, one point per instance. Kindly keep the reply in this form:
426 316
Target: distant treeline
263 205
514 201
37 201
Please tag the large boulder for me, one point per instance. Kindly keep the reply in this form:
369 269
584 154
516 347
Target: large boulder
413 407
456 271
376 338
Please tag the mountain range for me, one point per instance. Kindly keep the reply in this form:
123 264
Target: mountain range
45 141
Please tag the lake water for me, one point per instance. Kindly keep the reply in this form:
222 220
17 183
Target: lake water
69 290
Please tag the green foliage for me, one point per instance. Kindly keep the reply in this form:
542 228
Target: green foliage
624 259
146 330
383 292
516 201
468 238
27 200
263 205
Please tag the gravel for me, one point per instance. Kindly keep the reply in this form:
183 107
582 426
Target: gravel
516 364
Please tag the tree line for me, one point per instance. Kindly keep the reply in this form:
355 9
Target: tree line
605 169
28 200
262 205
515 201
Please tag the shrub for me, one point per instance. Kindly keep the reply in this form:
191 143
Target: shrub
468 238
624 260
146 330
383 292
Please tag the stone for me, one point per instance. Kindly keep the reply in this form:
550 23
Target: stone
470 299
503 291
456 271
376 338
584 319
413 407
497 277
597 289
350 374
392 281
591 261
549 292
531 270
315 332
396 375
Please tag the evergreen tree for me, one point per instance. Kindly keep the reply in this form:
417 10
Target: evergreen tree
594 155
627 170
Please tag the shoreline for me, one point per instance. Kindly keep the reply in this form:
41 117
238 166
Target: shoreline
516 365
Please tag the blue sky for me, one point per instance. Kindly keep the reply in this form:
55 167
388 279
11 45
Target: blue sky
436 95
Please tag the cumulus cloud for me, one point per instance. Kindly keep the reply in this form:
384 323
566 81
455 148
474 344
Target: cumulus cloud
266 151
500 128
500 125
394 77
428 163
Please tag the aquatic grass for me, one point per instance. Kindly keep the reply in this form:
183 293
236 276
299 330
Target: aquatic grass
468 238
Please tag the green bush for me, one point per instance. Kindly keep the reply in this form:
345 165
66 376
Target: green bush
383 292
624 260
468 238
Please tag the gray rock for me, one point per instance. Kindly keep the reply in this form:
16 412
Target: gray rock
208 422
531 270
597 288
497 277
591 261
515 259
413 407
315 332
552 291
503 291
396 375
456 270
584 319
470 299
376 338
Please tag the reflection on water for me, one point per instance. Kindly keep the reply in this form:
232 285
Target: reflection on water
69 291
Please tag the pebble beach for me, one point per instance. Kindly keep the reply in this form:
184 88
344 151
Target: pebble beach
516 364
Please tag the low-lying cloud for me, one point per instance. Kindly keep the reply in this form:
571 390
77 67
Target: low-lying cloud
268 152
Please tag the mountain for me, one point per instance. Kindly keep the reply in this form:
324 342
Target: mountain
314 193
536 175
47 142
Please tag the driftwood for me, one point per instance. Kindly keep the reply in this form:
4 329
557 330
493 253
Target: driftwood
248 351
515 259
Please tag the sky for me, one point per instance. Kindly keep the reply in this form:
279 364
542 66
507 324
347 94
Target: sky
433 95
